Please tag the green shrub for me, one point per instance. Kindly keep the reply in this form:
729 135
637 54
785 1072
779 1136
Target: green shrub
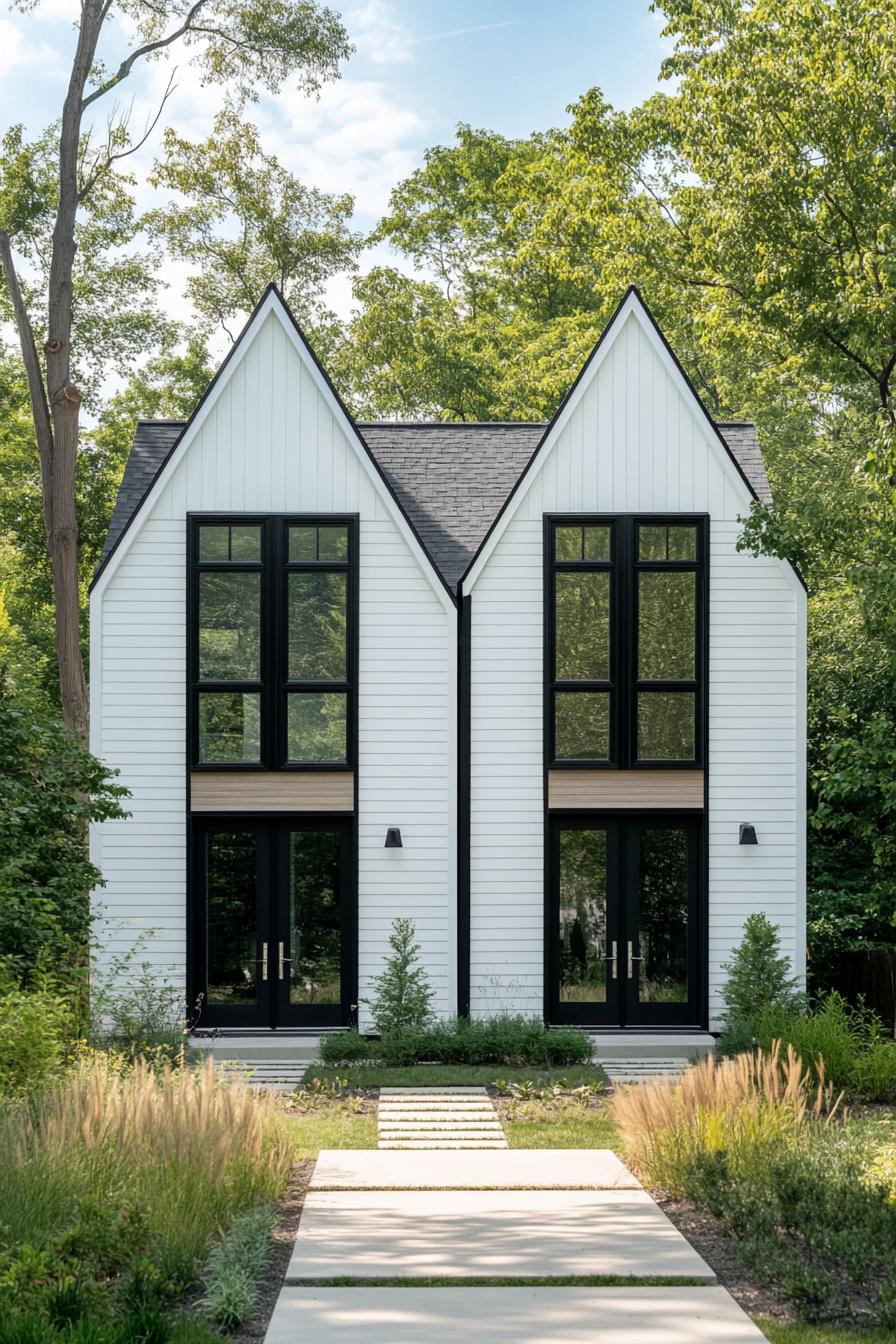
759 977
402 995
234 1268
344 1047
36 1028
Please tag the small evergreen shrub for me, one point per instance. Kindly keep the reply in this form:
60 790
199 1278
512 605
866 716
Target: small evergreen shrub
344 1047
402 998
504 1039
759 979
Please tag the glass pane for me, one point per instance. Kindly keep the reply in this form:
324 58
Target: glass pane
230 918
666 724
229 726
302 543
583 916
332 543
596 543
582 623
582 725
245 542
229 626
214 543
315 917
667 625
682 543
317 626
663 900
652 543
567 543
316 727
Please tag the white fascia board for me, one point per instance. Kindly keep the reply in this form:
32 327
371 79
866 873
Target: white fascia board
273 304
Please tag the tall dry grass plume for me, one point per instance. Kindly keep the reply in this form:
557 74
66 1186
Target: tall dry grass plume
739 1105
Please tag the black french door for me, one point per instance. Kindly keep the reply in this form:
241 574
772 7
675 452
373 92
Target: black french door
624 945
273 942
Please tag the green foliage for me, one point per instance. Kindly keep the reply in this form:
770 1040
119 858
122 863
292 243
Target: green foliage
247 223
402 993
857 1053
235 1266
52 788
344 1047
758 975
504 1039
36 1028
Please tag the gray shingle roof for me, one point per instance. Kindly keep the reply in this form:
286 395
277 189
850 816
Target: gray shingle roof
451 479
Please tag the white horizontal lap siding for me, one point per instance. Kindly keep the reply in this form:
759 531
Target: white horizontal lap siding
271 444
633 443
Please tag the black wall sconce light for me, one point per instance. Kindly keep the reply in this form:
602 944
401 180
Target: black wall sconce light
747 833
393 838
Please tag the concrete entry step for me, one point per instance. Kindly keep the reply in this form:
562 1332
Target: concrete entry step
643 1045
375 1234
522 1315
643 1070
523 1168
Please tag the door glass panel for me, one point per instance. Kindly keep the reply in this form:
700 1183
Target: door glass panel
316 727
582 725
667 625
229 727
666 725
230 918
583 916
229 626
317 626
582 623
663 897
315 917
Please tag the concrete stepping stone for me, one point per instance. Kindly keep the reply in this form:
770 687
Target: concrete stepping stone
522 1315
372 1234
521 1168
438 1118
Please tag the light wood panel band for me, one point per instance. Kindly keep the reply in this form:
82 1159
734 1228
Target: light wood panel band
272 791
635 789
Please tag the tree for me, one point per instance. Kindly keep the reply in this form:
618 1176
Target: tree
243 44
249 222
402 994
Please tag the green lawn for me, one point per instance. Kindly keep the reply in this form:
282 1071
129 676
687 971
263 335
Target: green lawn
821 1334
332 1126
452 1075
562 1122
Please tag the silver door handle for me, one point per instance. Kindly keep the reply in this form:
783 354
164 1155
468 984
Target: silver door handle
615 960
264 961
281 960
631 959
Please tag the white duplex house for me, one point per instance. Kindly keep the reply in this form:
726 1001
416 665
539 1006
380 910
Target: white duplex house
514 681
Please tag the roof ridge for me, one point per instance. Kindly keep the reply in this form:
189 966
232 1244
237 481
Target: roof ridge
452 424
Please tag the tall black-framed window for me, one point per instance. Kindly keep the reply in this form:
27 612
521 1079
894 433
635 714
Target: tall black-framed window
625 640
272 644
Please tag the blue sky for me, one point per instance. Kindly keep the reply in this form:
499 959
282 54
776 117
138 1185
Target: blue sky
421 66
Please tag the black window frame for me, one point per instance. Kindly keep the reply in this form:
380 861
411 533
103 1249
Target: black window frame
274 685
624 684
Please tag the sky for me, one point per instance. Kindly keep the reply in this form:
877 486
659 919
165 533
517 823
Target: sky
420 67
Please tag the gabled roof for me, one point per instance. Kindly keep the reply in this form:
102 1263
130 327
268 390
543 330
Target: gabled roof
451 479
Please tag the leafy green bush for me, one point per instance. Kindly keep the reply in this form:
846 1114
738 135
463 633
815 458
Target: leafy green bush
759 978
36 1028
402 995
859 1057
344 1047
235 1266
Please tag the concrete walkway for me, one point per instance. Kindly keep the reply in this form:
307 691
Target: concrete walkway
476 1217
443 1117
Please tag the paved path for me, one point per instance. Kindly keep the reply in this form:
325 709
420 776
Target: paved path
474 1217
445 1117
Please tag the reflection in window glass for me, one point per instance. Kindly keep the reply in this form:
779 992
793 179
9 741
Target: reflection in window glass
667 541
582 725
230 921
332 543
666 725
578 542
214 544
220 543
663 909
667 625
229 626
316 727
245 542
567 543
229 727
682 543
317 625
309 543
315 920
583 916
582 620
651 543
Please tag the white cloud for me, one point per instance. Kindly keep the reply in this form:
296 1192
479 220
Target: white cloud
380 37
18 52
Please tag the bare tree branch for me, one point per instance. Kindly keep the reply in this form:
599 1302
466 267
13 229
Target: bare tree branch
147 49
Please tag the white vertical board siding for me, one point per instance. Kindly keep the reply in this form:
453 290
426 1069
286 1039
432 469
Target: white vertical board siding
634 442
271 443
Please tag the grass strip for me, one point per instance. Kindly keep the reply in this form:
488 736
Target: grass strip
521 1281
